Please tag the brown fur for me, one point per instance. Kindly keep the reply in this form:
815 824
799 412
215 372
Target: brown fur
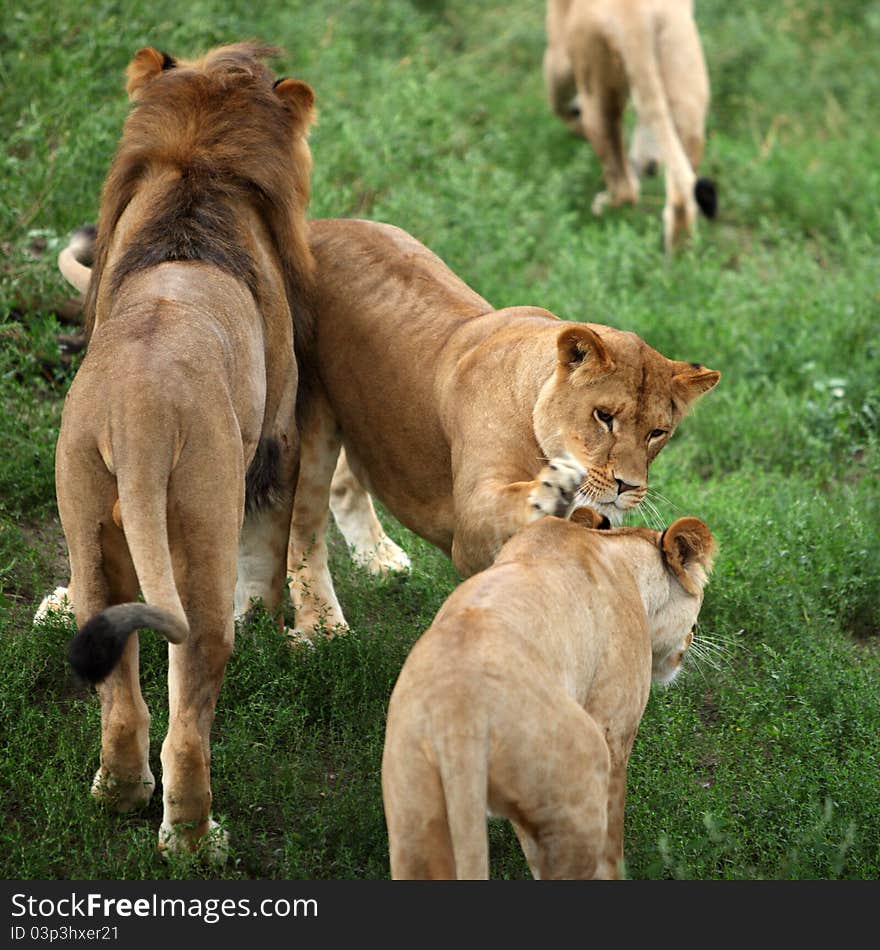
600 51
190 374
525 695
239 150
465 421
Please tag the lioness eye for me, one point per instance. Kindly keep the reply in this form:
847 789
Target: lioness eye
657 434
604 417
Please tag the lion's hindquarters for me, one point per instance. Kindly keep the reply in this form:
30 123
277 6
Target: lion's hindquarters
550 777
419 839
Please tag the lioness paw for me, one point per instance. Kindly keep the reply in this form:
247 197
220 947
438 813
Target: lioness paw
556 486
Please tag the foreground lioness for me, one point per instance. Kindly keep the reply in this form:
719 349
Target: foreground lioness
465 421
600 51
525 694
187 393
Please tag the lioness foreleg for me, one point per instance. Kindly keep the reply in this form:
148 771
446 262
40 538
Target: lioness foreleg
490 511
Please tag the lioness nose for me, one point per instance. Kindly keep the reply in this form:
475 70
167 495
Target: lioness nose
623 486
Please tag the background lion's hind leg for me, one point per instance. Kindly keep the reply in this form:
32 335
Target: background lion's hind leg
356 518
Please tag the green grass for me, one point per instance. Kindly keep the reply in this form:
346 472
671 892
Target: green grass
432 117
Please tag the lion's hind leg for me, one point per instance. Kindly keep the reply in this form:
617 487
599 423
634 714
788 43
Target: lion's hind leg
262 546
558 806
419 837
603 93
102 574
204 527
356 518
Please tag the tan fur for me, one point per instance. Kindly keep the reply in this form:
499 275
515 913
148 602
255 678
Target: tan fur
525 694
190 367
600 51
466 422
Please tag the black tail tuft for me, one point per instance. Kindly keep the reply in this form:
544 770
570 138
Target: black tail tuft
707 196
96 649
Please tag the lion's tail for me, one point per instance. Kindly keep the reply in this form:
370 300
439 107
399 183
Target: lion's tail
75 260
464 770
97 648
99 644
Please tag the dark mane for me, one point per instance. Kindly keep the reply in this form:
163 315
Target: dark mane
223 138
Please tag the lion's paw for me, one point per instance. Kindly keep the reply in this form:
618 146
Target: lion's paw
556 486
57 601
212 846
122 796
386 557
601 201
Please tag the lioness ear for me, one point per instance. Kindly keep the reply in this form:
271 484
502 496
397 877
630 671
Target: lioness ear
579 348
299 97
589 518
146 65
689 549
690 382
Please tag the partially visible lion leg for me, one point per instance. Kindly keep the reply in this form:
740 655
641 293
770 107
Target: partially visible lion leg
355 516
262 545
530 849
560 803
102 574
644 152
603 100
686 81
419 837
560 86
311 586
613 851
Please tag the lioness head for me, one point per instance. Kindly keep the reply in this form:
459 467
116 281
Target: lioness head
612 402
671 579
688 549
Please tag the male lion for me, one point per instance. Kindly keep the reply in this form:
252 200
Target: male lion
179 428
446 408
600 50
525 694
466 422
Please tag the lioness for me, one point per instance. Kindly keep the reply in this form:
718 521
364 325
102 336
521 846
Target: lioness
526 692
186 398
465 421
598 51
